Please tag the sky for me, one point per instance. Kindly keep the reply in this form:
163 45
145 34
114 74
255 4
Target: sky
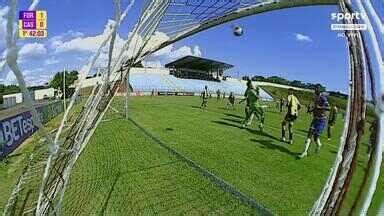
293 43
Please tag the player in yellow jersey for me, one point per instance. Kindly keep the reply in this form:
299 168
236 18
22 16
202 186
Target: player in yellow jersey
293 105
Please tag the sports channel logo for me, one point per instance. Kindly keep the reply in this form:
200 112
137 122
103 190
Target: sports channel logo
33 24
351 22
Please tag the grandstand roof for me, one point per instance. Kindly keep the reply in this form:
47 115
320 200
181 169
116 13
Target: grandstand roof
197 63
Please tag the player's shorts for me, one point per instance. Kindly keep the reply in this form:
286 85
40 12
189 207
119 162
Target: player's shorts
318 126
290 118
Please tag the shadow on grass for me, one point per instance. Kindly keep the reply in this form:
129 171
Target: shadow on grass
199 108
229 124
224 108
362 164
233 120
256 132
6 160
14 155
333 152
269 145
233 115
19 211
105 205
304 131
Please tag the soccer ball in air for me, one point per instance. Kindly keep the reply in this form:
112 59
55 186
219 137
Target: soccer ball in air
238 31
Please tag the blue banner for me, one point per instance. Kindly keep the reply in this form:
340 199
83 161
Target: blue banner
16 129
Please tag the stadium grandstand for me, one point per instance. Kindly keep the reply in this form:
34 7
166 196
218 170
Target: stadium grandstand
192 67
185 76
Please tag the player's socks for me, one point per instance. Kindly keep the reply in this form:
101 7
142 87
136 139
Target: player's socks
307 143
303 155
291 138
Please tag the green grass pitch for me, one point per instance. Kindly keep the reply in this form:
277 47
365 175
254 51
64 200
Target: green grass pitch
124 172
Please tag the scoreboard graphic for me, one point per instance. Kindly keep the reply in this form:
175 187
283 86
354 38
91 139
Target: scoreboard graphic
33 24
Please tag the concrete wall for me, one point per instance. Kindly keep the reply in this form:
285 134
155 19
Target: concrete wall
150 70
42 93
9 102
114 76
17 96
92 81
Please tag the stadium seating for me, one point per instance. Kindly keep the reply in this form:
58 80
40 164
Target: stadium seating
146 82
149 82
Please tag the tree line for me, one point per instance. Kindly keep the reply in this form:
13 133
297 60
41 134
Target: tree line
280 80
56 82
295 83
